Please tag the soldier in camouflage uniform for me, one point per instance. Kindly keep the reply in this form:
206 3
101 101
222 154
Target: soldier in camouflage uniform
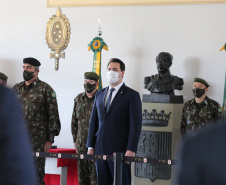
40 111
199 111
83 106
3 79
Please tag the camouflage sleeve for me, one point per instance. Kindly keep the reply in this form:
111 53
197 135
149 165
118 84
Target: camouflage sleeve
217 112
15 88
74 123
53 125
183 123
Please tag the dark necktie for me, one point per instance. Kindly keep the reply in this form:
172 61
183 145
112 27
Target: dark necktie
109 100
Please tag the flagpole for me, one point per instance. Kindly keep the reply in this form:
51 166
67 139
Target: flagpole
96 45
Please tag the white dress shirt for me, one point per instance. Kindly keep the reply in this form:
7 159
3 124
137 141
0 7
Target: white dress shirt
113 93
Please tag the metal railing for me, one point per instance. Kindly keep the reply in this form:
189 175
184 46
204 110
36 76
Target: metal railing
117 158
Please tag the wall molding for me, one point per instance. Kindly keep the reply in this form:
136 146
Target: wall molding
84 3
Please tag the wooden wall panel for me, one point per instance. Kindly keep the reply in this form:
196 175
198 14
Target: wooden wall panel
81 3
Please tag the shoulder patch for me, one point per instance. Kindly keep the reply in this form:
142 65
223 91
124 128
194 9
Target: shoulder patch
53 94
220 109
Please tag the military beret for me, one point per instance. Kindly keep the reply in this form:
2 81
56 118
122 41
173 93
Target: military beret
91 76
202 81
32 61
3 76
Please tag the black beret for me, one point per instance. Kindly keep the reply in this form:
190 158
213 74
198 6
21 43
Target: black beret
3 76
32 61
91 76
202 81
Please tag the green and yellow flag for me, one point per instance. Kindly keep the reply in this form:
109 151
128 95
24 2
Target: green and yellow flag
96 45
224 98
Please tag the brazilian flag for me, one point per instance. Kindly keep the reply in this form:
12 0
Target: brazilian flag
96 45
224 103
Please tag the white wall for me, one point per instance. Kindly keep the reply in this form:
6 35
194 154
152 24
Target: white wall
193 34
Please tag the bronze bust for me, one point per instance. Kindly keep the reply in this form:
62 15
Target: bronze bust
163 82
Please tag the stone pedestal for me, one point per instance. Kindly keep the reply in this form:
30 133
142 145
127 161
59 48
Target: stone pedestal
159 138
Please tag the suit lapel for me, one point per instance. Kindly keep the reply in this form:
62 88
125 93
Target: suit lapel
117 96
103 100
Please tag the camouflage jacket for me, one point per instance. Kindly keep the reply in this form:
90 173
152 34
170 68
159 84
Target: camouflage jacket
40 109
195 116
80 120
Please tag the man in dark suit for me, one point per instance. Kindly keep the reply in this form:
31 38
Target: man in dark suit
202 158
115 123
16 165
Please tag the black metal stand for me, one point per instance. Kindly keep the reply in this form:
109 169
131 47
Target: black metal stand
118 164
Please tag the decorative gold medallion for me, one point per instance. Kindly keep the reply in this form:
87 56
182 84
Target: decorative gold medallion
57 36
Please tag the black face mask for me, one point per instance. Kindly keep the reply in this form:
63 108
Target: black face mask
28 75
89 87
198 92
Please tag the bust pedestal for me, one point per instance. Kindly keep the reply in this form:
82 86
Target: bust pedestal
159 138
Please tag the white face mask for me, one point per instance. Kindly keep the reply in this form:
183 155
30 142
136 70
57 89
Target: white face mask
112 77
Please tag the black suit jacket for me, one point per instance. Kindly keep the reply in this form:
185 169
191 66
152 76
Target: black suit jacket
203 157
119 129
16 166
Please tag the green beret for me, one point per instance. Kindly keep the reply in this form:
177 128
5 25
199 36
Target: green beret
3 76
202 81
91 76
32 61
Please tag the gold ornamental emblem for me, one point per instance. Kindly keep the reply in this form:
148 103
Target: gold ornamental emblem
57 36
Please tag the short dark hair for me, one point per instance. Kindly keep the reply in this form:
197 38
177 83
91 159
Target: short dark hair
116 60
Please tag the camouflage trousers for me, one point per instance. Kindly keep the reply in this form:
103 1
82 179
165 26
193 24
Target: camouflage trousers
38 144
86 172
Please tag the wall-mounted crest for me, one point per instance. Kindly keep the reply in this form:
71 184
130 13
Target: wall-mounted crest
57 36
